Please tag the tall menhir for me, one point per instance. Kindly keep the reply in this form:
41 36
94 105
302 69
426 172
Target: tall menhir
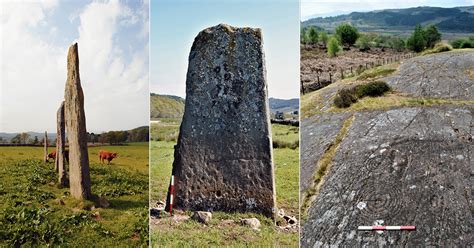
79 178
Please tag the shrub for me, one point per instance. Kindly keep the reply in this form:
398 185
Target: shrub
463 43
377 88
347 34
346 97
333 47
438 48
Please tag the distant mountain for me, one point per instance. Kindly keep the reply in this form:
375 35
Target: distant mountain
457 19
166 106
283 105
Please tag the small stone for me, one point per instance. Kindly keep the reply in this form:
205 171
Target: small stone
281 212
253 223
361 205
202 216
155 212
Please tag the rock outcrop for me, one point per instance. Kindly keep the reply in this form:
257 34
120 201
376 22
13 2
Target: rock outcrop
223 159
406 165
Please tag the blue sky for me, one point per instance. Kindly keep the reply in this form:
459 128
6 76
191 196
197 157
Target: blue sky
175 23
113 41
324 8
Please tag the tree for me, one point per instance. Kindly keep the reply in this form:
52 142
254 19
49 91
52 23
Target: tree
363 43
417 41
16 139
35 141
398 44
324 38
432 36
313 35
347 34
303 35
24 138
333 47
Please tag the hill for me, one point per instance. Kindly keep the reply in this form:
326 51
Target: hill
457 19
284 105
166 106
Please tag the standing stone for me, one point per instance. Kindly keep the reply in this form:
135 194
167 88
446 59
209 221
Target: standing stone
60 141
79 179
223 159
45 144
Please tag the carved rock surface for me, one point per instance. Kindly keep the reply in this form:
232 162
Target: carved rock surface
80 182
223 159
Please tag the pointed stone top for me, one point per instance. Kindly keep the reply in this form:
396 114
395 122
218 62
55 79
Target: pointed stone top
231 30
73 62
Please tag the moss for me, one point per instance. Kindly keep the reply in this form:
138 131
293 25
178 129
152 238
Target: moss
324 165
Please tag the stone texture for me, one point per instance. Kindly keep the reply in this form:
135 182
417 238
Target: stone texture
80 182
202 216
407 166
60 147
444 75
223 159
253 223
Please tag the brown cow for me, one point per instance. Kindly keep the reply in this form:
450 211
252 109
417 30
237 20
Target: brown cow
105 155
53 155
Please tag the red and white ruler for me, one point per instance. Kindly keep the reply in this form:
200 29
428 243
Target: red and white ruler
386 228
171 194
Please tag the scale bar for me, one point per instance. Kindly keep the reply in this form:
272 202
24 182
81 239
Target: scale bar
386 228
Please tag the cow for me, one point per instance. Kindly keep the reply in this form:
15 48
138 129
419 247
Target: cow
53 155
105 155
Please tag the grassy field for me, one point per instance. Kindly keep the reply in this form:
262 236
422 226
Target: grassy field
224 229
35 212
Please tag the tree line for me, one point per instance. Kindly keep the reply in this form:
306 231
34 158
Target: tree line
346 35
139 134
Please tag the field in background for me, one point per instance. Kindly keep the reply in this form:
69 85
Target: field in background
219 231
35 212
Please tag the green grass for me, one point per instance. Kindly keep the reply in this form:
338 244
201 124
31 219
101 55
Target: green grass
164 131
30 212
285 136
376 73
182 234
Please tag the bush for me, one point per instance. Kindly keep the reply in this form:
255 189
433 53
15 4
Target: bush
438 48
312 35
398 44
463 43
377 88
333 47
346 97
347 34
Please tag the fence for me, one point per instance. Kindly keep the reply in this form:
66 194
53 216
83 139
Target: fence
325 78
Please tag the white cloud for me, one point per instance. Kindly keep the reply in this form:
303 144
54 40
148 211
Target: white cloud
34 72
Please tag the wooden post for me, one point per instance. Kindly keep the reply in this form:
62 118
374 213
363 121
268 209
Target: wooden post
351 70
45 144
342 74
330 78
60 151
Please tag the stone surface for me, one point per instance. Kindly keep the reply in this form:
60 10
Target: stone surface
60 147
223 159
317 133
80 183
202 216
444 75
253 223
407 166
